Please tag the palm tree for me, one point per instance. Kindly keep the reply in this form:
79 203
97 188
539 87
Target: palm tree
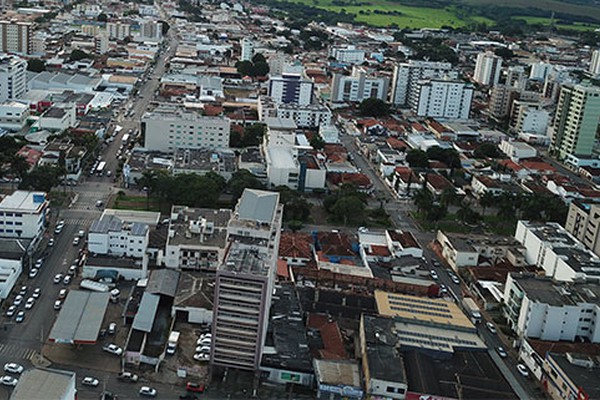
148 181
448 197
486 200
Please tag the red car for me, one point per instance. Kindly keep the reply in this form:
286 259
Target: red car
194 387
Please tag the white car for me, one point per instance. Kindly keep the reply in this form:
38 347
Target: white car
147 391
433 274
39 262
204 342
58 229
20 317
13 368
76 241
58 304
51 242
523 370
18 300
33 273
203 349
90 381
491 327
29 304
11 311
58 278
36 293
67 280
9 381
201 357
113 349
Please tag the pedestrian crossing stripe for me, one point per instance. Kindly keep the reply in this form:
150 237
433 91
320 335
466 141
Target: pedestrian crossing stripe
14 351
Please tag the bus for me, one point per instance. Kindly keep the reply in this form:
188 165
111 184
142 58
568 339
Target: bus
100 169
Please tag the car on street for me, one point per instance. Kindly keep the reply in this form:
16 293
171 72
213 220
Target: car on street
522 370
58 304
29 304
491 327
38 263
501 352
112 328
13 368
202 357
33 273
18 300
81 233
9 380
455 279
127 377
113 349
36 293
76 241
11 311
58 278
62 293
51 242
433 274
99 203
443 289
147 391
58 229
67 280
72 270
194 387
90 381
23 290
20 317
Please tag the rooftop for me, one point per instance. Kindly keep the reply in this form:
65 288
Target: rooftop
23 201
545 290
194 291
384 360
584 378
203 227
43 383
150 218
80 318
295 245
241 260
257 205
343 373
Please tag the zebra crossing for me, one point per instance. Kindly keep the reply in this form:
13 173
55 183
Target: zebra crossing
16 352
79 221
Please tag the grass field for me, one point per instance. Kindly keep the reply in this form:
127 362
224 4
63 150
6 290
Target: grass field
577 26
548 5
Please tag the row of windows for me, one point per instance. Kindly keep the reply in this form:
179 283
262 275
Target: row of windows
9 214
11 223
17 231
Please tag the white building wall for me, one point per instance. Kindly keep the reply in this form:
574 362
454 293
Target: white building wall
595 63
13 78
98 243
443 99
10 270
487 69
406 76
129 274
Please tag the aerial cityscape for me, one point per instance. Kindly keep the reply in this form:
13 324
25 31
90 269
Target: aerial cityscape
277 199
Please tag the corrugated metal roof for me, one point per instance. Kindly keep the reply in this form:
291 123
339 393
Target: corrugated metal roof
144 319
163 281
43 384
80 318
258 205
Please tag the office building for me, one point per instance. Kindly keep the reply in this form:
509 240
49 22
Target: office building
118 30
595 63
111 236
291 87
244 281
13 78
442 99
487 69
348 55
247 49
407 75
167 129
16 37
575 122
23 215
358 86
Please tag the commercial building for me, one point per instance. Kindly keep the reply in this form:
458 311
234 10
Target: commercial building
286 168
583 222
358 86
348 55
595 63
23 215
167 129
111 236
542 308
291 87
517 150
501 100
196 238
16 37
12 256
407 75
442 99
487 69
244 281
540 71
13 115
13 78
45 383
338 379
576 121
571 376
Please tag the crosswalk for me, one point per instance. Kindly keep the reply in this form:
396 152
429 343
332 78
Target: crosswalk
79 221
16 352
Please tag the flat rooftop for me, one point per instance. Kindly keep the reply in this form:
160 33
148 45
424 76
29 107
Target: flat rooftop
384 360
198 227
257 205
243 260
335 373
80 318
545 290
582 377
97 260
43 383
23 201
149 218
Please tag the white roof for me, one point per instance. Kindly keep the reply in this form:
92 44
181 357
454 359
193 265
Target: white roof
22 200
281 157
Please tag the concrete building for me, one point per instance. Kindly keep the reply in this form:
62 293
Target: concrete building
285 167
571 376
111 236
58 119
338 379
196 238
501 100
348 55
244 281
487 69
528 117
517 150
304 116
291 87
541 308
13 78
358 87
575 122
151 31
12 258
595 63
118 30
406 76
13 115
16 37
540 71
442 99
23 215
45 383
167 129
583 222
247 49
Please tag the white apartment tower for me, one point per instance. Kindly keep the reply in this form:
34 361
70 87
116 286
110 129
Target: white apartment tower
442 99
23 215
151 30
595 63
13 78
247 52
358 87
487 69
118 30
16 37
291 87
406 76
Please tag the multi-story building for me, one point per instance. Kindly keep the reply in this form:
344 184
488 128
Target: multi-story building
118 30
101 44
541 308
583 222
501 100
575 124
571 376
517 150
529 117
23 215
487 69
595 63
358 86
304 116
111 236
167 129
291 87
247 49
244 282
16 37
442 99
13 78
151 30
13 115
348 55
406 76
540 71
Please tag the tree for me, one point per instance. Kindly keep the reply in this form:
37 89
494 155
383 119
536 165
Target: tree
19 166
373 107
77 55
348 208
317 142
417 158
448 197
41 178
148 181
486 200
102 17
244 67
466 214
487 150
165 27
36 65
423 200
241 180
448 156
504 52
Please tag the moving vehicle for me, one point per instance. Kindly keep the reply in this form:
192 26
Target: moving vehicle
100 168
523 370
472 309
9 380
76 241
147 391
491 327
90 381
501 352
433 274
29 304
113 349
23 290
33 273
13 368
36 293
127 377
58 278
38 263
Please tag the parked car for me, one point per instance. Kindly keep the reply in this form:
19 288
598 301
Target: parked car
58 304
455 279
58 229
33 272
76 241
194 387
18 300
90 381
20 317
62 293
81 233
203 349
36 293
23 290
523 370
9 380
58 278
501 352
11 311
113 349
13 368
72 270
51 242
433 274
147 391
491 327
67 280
29 304
127 377
38 263
112 328
202 357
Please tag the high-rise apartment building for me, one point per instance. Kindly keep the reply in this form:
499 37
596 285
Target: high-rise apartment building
291 87
16 37
151 30
13 77
442 99
247 49
487 69
576 121
595 63
244 282
118 30
583 222
406 76
358 87
348 54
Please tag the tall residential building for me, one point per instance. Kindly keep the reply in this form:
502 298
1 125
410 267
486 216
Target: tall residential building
151 30
595 63
291 87
528 117
247 49
540 71
16 37
167 130
583 222
118 30
23 215
13 78
348 54
442 99
487 69
406 76
501 100
576 121
244 282
358 87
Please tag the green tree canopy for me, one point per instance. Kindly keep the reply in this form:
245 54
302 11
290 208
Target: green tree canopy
373 107
36 65
487 150
417 158
77 55
102 17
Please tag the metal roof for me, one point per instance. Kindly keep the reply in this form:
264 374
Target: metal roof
163 281
44 384
144 319
258 205
80 318
106 224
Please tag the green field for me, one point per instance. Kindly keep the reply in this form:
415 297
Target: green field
576 26
548 5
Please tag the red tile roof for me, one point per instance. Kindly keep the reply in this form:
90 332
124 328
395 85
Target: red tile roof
406 174
537 164
439 182
377 250
282 269
396 144
511 165
406 239
295 245
31 155
360 180
331 336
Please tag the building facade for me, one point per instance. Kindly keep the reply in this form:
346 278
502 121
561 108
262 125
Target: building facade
487 69
13 78
442 99
118 30
358 87
23 215
247 49
348 55
291 88
407 75
16 37
111 236
595 63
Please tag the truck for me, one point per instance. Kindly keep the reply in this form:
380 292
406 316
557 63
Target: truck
172 343
94 286
472 309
